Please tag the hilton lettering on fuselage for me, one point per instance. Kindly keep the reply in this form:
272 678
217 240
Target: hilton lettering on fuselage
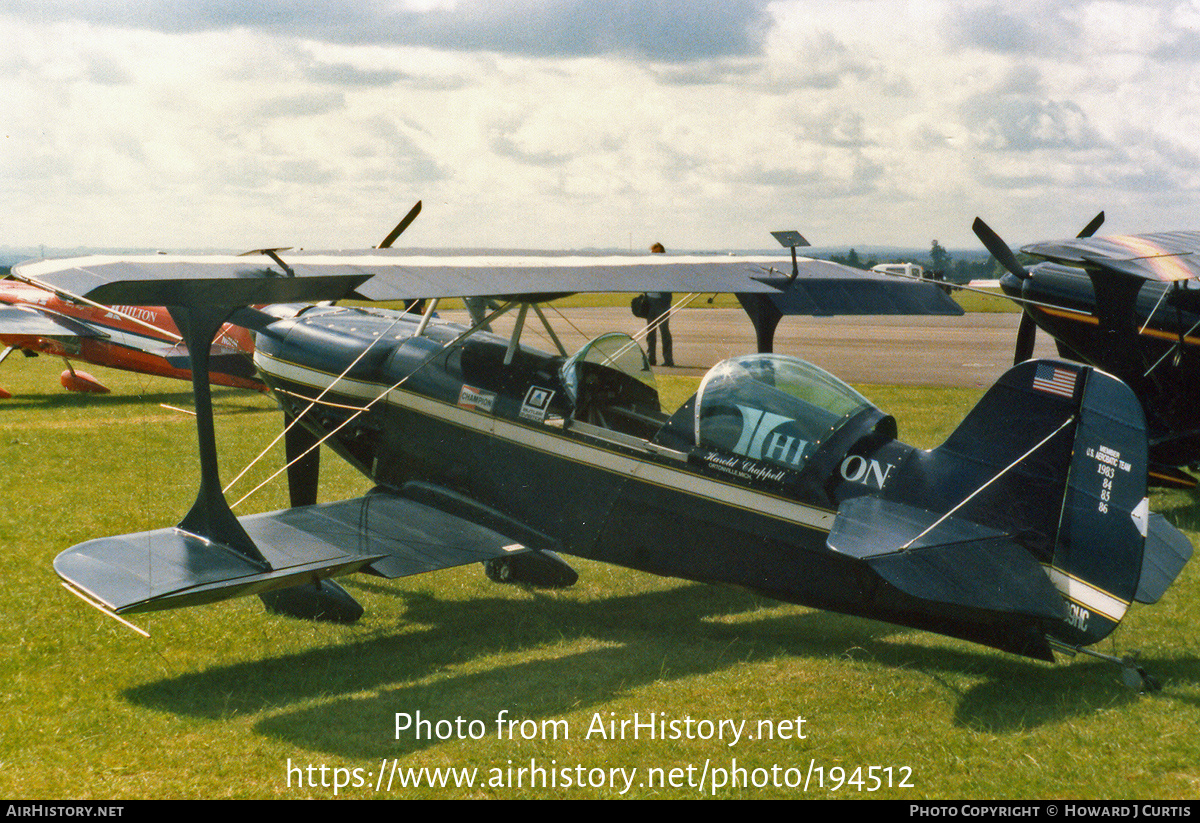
759 427
762 438
857 469
139 312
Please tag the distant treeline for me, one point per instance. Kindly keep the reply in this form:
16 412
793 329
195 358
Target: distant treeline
937 260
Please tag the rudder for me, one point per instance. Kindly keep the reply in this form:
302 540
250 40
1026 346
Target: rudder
1098 550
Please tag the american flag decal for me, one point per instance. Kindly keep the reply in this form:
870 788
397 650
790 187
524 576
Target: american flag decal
1055 380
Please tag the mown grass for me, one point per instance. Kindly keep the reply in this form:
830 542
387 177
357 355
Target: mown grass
985 300
220 698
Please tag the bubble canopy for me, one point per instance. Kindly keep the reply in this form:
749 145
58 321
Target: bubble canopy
772 407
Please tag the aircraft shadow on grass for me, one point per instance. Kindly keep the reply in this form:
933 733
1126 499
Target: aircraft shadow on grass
642 639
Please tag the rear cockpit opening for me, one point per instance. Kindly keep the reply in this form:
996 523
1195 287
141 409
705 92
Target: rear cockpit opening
611 385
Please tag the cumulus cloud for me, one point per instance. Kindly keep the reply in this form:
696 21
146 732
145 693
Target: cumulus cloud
588 120
667 30
299 105
1183 48
1024 124
1012 28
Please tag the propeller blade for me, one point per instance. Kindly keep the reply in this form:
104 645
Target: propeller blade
999 249
1026 334
303 472
1091 227
400 227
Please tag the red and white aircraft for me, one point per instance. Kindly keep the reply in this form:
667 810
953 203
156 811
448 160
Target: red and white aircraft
38 320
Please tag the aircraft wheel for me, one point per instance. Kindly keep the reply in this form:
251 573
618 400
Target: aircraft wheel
498 570
541 569
1135 677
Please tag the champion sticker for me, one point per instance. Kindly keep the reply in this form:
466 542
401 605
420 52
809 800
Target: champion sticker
470 397
537 401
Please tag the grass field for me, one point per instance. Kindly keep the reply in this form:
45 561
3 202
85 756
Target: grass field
221 699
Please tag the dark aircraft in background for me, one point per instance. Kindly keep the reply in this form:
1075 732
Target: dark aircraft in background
1027 531
1127 304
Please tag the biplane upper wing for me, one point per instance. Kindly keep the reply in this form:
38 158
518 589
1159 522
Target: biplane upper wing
820 287
825 289
1166 256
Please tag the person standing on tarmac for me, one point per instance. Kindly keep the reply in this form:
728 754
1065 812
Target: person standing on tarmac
658 304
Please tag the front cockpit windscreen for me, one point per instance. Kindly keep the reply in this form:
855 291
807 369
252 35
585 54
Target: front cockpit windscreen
614 350
772 408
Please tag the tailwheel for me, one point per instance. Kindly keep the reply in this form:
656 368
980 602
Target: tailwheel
1132 673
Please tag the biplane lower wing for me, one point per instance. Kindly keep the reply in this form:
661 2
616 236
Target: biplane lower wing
379 533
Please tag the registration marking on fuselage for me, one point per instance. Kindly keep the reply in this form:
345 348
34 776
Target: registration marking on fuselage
1085 594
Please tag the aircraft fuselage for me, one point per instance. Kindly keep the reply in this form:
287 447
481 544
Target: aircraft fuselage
117 339
457 427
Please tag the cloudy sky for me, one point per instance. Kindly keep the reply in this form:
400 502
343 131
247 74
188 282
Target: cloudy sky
582 123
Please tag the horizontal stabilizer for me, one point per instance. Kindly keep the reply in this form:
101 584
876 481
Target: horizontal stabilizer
995 575
381 533
1167 552
236 365
866 527
957 562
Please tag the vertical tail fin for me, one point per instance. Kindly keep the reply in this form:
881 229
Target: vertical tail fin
1061 449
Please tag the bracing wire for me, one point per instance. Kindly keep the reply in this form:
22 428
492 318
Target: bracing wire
1002 472
429 359
313 402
